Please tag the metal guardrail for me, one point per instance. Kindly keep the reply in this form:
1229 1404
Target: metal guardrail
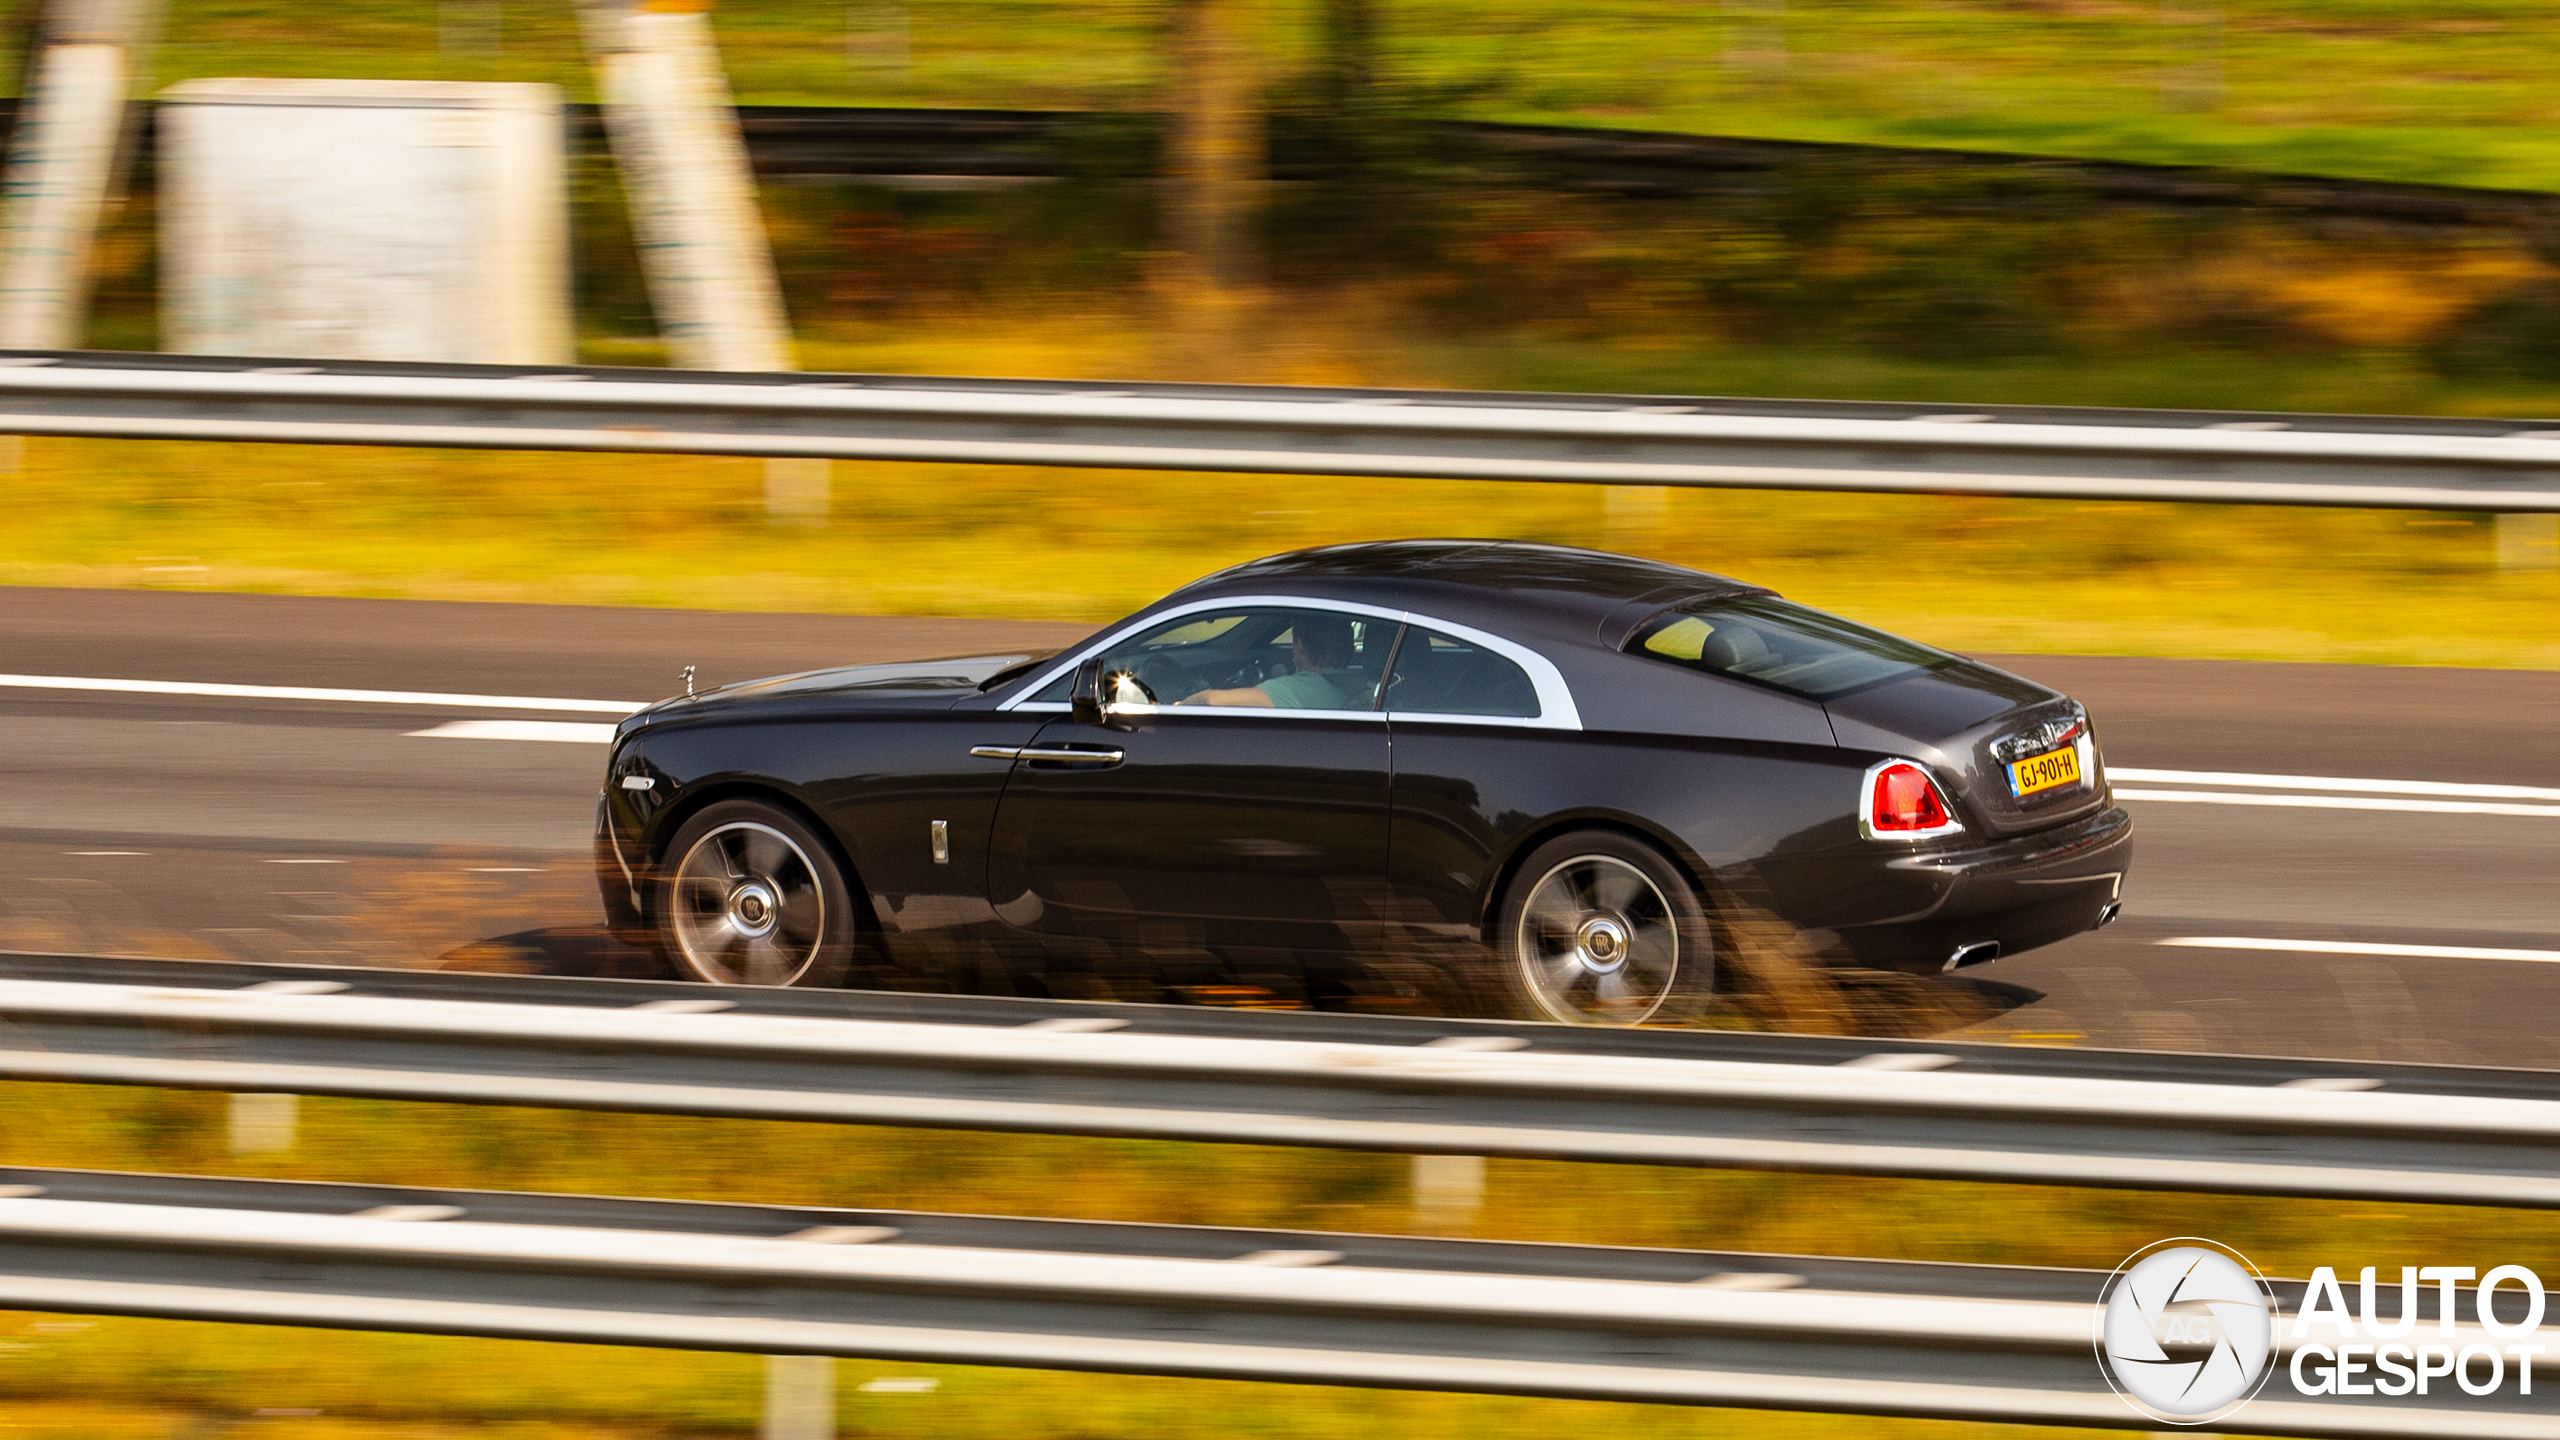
1495 1093
1217 1022
1980 1343
1621 440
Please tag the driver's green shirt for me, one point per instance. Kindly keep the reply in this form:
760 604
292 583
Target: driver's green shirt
1306 690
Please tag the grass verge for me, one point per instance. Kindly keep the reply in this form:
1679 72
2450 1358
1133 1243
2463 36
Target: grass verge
2452 92
2016 576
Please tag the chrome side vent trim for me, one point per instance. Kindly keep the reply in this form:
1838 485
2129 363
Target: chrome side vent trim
2038 738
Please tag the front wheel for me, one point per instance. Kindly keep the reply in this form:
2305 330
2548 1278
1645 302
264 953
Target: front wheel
754 897
1598 928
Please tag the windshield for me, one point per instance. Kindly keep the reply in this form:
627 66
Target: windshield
1782 645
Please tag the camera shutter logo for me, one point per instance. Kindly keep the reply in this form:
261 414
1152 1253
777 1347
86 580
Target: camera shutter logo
2186 1331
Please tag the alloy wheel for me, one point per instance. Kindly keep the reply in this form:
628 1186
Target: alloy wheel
1597 943
747 907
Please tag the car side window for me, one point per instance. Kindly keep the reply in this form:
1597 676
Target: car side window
1438 674
1253 657
1782 645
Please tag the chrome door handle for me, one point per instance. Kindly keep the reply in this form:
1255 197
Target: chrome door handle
1048 752
1081 757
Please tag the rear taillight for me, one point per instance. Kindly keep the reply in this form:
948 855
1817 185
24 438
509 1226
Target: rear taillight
1902 803
1905 800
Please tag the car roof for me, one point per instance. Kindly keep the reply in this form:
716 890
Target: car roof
1516 584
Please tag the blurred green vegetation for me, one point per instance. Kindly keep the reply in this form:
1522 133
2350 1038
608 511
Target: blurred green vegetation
2051 576
235 1370
1848 281
1851 277
2450 92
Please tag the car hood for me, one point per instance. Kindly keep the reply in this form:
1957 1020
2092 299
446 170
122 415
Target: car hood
906 681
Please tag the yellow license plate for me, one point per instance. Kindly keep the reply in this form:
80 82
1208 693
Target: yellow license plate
2043 772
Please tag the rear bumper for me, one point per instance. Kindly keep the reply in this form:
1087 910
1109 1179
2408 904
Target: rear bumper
2017 894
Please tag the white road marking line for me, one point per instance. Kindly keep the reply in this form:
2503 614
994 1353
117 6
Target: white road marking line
506 870
573 731
106 852
2341 802
2323 782
306 692
2357 947
306 862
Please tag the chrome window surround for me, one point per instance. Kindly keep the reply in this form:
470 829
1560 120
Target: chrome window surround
1555 701
2041 738
1867 805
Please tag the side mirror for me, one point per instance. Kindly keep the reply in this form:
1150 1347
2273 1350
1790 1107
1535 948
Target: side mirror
1100 696
1086 702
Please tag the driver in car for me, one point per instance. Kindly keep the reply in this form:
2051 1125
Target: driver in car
1321 650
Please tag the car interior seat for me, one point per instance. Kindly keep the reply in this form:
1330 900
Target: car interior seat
1737 648
1448 680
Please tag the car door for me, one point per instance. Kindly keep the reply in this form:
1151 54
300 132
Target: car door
1196 817
1487 740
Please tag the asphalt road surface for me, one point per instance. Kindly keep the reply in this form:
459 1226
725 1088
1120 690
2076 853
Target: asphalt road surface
2338 836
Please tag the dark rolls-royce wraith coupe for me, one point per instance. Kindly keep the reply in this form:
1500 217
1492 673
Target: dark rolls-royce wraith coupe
1553 779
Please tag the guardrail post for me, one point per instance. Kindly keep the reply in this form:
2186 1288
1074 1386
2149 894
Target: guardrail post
799 1397
62 162
263 1124
796 490
2529 542
1448 1190
684 166
1634 516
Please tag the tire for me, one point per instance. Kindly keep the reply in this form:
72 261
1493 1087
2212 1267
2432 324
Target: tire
1599 928
754 896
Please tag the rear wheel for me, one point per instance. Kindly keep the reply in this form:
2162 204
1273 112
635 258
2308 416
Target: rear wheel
754 897
1598 928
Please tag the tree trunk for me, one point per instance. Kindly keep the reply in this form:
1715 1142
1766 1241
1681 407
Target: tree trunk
1216 165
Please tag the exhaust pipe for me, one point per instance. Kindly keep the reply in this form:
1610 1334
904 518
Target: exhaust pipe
1973 954
2107 916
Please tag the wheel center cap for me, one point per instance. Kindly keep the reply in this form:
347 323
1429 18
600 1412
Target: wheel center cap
1601 943
753 909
